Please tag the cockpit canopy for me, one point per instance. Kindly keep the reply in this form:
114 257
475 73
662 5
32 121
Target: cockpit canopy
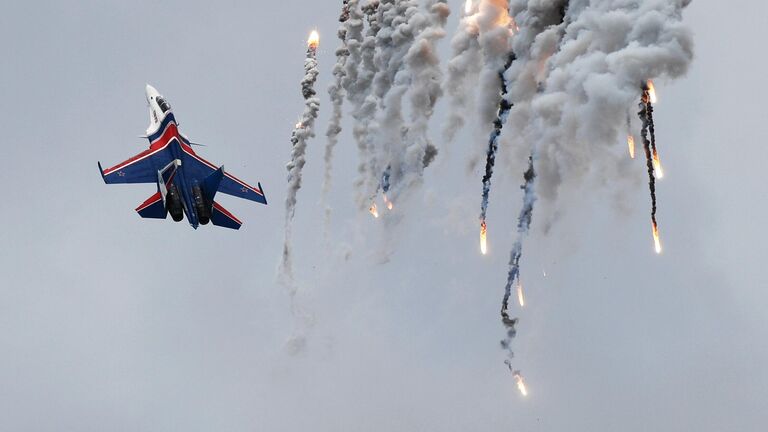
163 104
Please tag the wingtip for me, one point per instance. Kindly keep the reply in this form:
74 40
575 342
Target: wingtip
262 193
101 171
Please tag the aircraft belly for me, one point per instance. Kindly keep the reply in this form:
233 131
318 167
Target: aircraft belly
183 185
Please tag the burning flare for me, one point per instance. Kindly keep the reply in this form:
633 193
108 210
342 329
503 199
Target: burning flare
520 295
656 238
631 144
657 168
389 204
504 20
374 210
521 384
314 39
468 7
652 92
484 238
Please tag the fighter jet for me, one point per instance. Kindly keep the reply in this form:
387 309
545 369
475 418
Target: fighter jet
186 183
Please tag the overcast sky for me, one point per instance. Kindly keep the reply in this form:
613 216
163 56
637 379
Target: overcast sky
111 322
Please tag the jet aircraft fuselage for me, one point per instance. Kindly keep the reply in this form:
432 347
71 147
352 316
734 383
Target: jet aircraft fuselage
186 183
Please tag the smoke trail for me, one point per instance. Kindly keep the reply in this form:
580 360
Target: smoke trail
606 49
412 70
646 116
523 226
650 99
542 27
463 66
354 27
423 67
377 128
337 93
359 89
493 142
304 131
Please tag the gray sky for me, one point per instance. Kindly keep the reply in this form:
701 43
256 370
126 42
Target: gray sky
110 322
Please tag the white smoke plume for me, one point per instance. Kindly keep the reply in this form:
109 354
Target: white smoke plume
303 132
609 49
337 94
425 75
363 28
462 70
413 70
391 44
354 27
586 71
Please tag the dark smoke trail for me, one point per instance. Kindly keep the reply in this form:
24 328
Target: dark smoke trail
646 116
337 93
304 131
493 143
651 125
523 226
652 130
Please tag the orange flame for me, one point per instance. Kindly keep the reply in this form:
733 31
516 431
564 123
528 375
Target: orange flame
389 204
631 144
374 210
657 168
484 238
652 92
656 238
314 39
504 20
521 384
520 296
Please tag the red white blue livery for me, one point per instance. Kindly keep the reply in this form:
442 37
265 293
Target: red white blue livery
186 183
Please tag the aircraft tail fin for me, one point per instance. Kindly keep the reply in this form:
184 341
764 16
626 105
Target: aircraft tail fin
223 218
211 183
153 207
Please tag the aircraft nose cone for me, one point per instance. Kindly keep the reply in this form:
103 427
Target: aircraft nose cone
151 92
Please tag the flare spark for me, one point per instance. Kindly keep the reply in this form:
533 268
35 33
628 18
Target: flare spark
483 238
631 144
521 383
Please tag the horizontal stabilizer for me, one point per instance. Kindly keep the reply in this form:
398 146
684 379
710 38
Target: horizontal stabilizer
223 218
153 208
211 183
229 184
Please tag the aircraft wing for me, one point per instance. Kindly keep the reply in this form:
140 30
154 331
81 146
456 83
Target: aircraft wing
141 168
229 185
